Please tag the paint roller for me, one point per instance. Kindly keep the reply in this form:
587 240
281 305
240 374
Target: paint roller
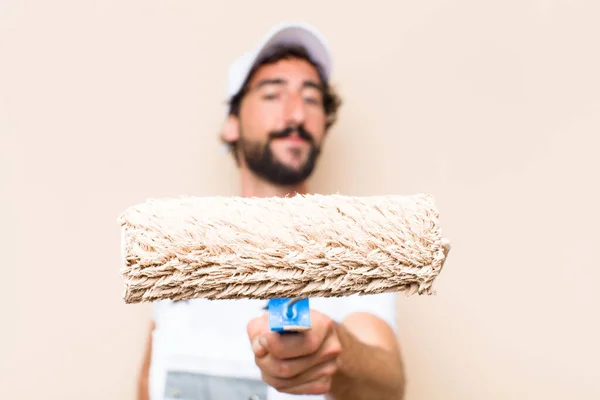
282 249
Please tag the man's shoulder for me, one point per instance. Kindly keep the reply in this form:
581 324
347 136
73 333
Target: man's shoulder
382 305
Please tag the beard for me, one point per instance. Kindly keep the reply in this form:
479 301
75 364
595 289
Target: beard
260 158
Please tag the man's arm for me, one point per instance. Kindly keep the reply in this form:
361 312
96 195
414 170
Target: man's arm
143 392
370 364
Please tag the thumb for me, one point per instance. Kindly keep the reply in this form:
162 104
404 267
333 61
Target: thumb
259 346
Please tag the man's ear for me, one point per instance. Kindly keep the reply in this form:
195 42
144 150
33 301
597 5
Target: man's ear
231 129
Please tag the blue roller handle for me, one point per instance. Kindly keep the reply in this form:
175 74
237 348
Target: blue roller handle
289 315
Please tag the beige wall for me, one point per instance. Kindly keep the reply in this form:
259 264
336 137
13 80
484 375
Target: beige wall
494 107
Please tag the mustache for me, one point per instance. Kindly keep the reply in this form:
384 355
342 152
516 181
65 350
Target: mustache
302 133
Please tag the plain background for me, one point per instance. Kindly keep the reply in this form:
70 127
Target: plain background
491 106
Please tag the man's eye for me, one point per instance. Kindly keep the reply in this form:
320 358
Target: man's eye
271 96
312 100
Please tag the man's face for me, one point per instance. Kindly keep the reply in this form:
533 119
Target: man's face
282 121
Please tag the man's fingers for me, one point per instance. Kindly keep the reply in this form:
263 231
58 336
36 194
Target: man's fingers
300 362
299 344
320 386
291 368
292 345
309 381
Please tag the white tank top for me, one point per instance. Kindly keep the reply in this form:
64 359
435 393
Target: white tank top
209 336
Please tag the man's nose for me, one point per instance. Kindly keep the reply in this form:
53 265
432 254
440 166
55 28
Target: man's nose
294 110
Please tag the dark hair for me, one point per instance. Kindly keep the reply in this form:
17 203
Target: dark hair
331 101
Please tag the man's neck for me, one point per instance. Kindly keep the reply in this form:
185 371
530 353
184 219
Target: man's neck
253 186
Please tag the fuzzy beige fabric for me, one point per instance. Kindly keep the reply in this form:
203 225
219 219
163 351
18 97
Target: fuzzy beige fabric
260 248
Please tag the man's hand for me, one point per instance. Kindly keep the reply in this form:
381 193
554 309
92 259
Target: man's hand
299 362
